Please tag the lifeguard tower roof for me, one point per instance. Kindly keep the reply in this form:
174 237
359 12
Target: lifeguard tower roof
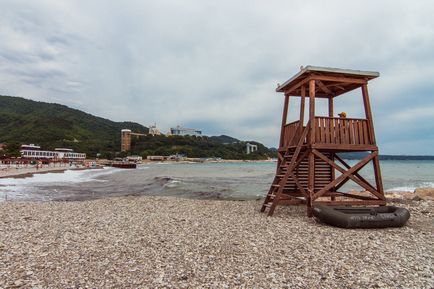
331 81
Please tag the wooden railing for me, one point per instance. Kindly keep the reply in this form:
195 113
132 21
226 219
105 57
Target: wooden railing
330 130
348 131
291 133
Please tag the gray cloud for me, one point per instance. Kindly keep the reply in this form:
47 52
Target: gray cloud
215 66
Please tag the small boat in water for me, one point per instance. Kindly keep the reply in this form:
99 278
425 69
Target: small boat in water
362 217
124 165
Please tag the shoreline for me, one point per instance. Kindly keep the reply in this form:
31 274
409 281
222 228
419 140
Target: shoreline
154 242
22 173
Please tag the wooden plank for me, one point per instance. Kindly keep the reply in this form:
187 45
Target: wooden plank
341 132
323 130
361 136
332 130
339 79
351 129
348 130
345 147
356 132
335 131
365 132
345 134
351 118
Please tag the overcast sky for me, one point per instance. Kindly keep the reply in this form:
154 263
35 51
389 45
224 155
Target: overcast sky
214 65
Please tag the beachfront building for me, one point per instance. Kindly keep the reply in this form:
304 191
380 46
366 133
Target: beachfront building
179 130
125 140
250 148
310 169
153 130
155 158
134 159
126 135
32 151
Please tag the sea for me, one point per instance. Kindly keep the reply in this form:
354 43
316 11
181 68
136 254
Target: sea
234 180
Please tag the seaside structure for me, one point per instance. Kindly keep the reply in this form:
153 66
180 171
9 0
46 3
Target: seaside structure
126 139
179 130
153 130
32 151
251 148
134 159
155 158
309 168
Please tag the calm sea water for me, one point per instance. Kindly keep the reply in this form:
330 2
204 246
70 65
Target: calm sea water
243 180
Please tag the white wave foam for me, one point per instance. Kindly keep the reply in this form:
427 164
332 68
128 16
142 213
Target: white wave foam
14 188
142 167
68 176
401 189
173 184
411 188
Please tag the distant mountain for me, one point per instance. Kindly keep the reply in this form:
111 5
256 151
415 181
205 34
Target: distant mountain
53 125
224 139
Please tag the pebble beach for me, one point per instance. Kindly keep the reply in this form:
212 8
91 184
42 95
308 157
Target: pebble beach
168 242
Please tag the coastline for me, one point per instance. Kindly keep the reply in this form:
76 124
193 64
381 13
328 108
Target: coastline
156 242
17 173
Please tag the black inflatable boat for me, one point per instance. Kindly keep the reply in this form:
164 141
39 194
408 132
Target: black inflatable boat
362 217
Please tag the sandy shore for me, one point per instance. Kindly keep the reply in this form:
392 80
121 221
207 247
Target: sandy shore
13 172
150 242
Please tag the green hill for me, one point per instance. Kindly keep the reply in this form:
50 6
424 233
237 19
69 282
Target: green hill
224 139
197 147
53 125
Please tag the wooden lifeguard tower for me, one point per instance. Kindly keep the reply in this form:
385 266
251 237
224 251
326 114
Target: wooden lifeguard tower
309 169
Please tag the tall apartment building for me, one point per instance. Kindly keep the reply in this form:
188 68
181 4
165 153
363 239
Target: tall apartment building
125 140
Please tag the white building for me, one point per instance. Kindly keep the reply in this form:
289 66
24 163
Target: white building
134 159
179 130
153 130
32 151
251 148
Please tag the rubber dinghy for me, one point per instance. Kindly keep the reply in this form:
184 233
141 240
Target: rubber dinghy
362 217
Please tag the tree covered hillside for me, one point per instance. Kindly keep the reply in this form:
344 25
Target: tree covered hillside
53 125
197 147
50 125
